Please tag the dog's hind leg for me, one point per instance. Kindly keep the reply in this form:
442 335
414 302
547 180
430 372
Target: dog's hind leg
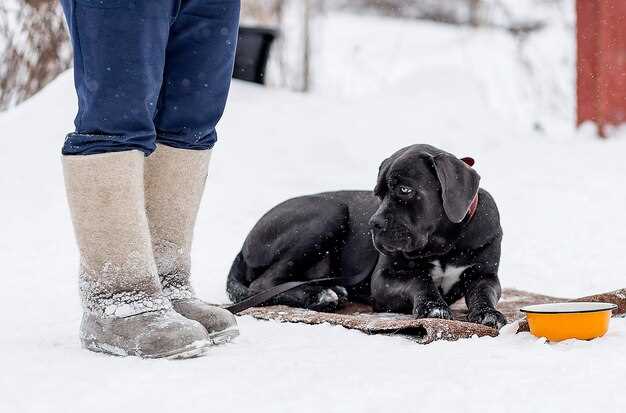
316 297
302 245
313 297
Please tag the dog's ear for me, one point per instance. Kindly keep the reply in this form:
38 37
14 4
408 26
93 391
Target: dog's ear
379 189
469 161
459 184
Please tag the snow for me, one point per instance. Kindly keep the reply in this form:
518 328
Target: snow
560 193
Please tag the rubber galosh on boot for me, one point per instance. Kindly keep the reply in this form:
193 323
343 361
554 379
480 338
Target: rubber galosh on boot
155 334
220 323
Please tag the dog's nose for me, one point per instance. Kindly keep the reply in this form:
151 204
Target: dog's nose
378 223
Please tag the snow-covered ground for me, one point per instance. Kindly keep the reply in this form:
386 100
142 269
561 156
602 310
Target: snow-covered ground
561 194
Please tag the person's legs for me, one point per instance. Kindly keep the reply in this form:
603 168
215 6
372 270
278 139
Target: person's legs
119 57
119 50
198 69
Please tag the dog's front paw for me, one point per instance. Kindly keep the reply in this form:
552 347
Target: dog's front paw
433 310
489 317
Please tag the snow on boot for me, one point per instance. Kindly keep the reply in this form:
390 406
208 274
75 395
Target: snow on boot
174 183
125 310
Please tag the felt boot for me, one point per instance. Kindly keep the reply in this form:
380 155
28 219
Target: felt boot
125 310
174 183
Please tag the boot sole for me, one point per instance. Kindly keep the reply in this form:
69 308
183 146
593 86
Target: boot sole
197 349
224 336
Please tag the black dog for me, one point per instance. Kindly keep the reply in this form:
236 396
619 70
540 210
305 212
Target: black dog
426 237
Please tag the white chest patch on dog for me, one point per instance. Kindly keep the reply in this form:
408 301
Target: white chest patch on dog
446 279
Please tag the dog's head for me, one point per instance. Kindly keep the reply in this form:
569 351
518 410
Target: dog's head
424 191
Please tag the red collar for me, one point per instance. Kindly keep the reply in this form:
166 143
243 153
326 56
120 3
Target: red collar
471 211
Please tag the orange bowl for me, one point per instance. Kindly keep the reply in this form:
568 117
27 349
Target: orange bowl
562 321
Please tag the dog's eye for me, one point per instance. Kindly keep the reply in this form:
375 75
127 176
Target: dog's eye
405 190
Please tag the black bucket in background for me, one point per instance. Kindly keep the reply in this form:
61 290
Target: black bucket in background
253 49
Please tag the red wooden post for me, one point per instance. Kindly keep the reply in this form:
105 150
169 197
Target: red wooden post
601 66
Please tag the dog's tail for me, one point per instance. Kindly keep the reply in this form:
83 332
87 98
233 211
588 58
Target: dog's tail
235 286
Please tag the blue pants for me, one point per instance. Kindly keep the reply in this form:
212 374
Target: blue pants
150 71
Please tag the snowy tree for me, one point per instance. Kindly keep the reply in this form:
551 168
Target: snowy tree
34 47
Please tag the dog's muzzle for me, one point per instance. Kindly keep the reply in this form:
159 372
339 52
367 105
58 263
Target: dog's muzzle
395 242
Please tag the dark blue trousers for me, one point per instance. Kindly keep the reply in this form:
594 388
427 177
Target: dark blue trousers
150 71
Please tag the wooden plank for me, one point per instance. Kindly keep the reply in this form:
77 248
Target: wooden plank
612 63
586 67
601 62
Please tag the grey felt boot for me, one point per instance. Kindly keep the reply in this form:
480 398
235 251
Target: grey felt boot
174 183
125 310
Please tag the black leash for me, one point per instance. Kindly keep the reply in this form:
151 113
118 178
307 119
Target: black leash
270 293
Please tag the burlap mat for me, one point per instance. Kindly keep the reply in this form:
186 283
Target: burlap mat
424 331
